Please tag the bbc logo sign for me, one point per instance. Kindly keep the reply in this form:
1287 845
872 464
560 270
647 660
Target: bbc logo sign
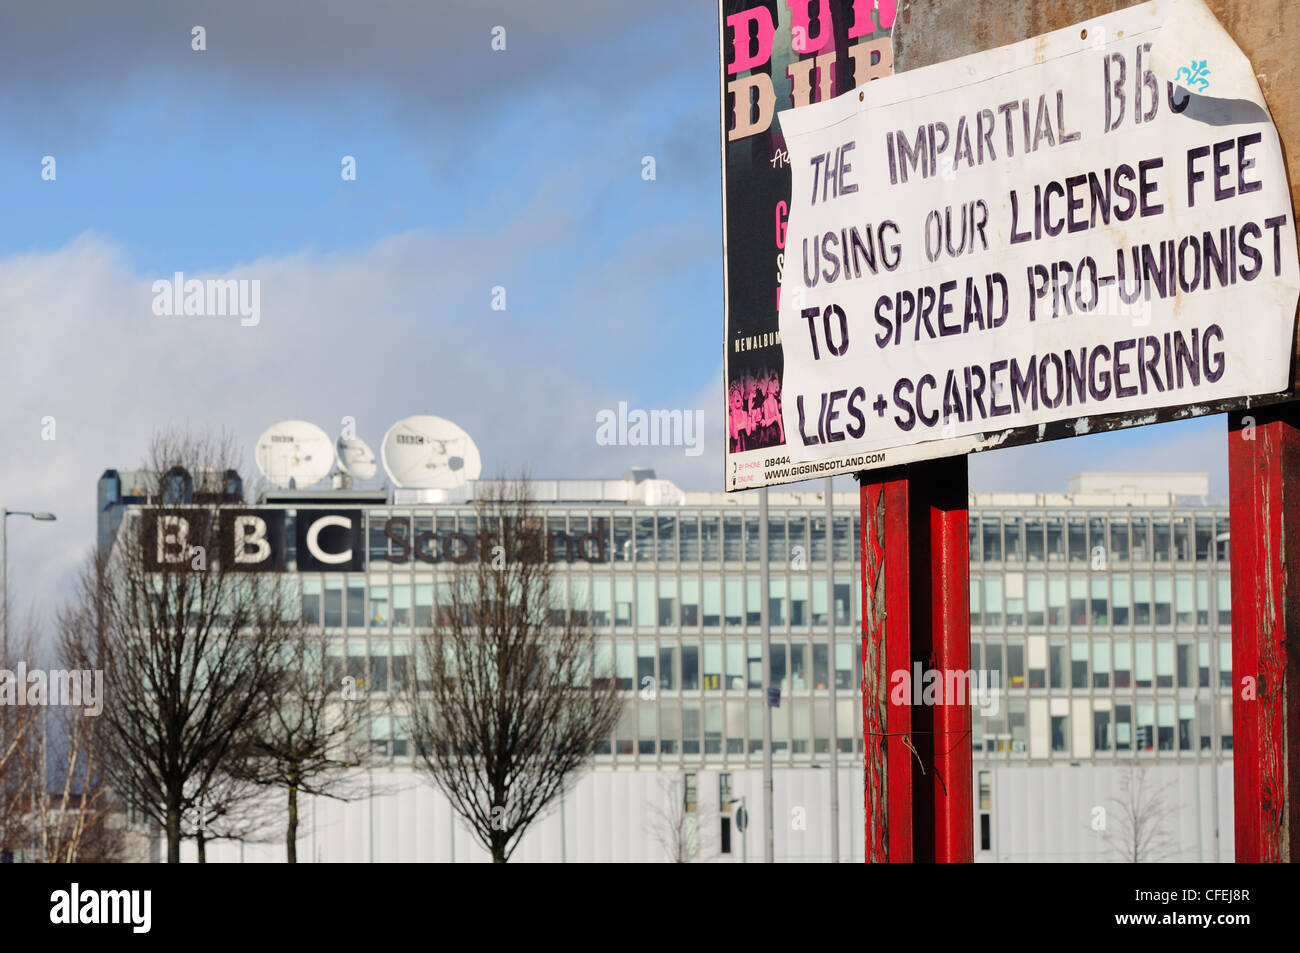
253 540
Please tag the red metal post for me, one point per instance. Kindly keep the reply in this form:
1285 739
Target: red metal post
915 578
1264 486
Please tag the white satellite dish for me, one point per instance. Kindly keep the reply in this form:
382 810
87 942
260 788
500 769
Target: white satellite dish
294 454
429 452
356 459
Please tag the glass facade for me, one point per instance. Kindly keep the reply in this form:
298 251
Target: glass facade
1108 629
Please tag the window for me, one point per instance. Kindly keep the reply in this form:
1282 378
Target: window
776 603
1146 729
712 617
1225 663
753 603
356 604
976 587
1164 596
691 669
1123 727
1078 601
1100 587
378 667
821 670
710 538
1034 551
1036 599
991 527
1078 540
1204 538
754 664
799 602
735 668
1140 533
732 547
1143 668
1056 601
645 725
1057 664
1121 588
690 601
689 538
712 666
1142 601
1014 546
645 665
1078 663
402 606
623 603
624 665
1015 665
668 668
668 603
1123 663
1055 539
378 606
844 665
724 808
1101 730
1160 538
992 600
622 539
1060 734
1100 663
1183 539
1186 727
777 668
1164 664
311 600
1224 593
735 605
646 604
645 538
1118 539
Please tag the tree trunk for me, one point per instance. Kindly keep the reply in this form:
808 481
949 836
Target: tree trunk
291 836
173 833
203 850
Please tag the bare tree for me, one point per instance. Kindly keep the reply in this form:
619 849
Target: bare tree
19 733
680 825
505 706
190 645
1138 827
306 738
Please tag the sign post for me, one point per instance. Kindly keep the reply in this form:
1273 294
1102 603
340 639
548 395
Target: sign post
1264 478
1087 231
916 611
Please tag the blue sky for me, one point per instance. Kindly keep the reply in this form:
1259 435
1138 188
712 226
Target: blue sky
476 168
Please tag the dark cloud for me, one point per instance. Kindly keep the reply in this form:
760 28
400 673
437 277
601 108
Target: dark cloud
62 63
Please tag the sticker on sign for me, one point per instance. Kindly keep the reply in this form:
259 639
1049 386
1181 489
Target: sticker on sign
1051 238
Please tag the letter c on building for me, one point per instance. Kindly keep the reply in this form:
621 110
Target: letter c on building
313 544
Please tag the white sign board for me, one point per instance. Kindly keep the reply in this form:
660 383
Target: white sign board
1088 230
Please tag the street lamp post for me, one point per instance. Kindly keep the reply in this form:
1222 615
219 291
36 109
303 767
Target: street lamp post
4 576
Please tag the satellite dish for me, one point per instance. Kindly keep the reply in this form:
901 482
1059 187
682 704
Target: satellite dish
356 459
429 452
294 454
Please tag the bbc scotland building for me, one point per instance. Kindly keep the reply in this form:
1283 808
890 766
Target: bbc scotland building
1103 612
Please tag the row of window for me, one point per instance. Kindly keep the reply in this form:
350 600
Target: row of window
1118 663
1084 538
1102 727
683 535
642 666
1013 600
693 728
604 601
